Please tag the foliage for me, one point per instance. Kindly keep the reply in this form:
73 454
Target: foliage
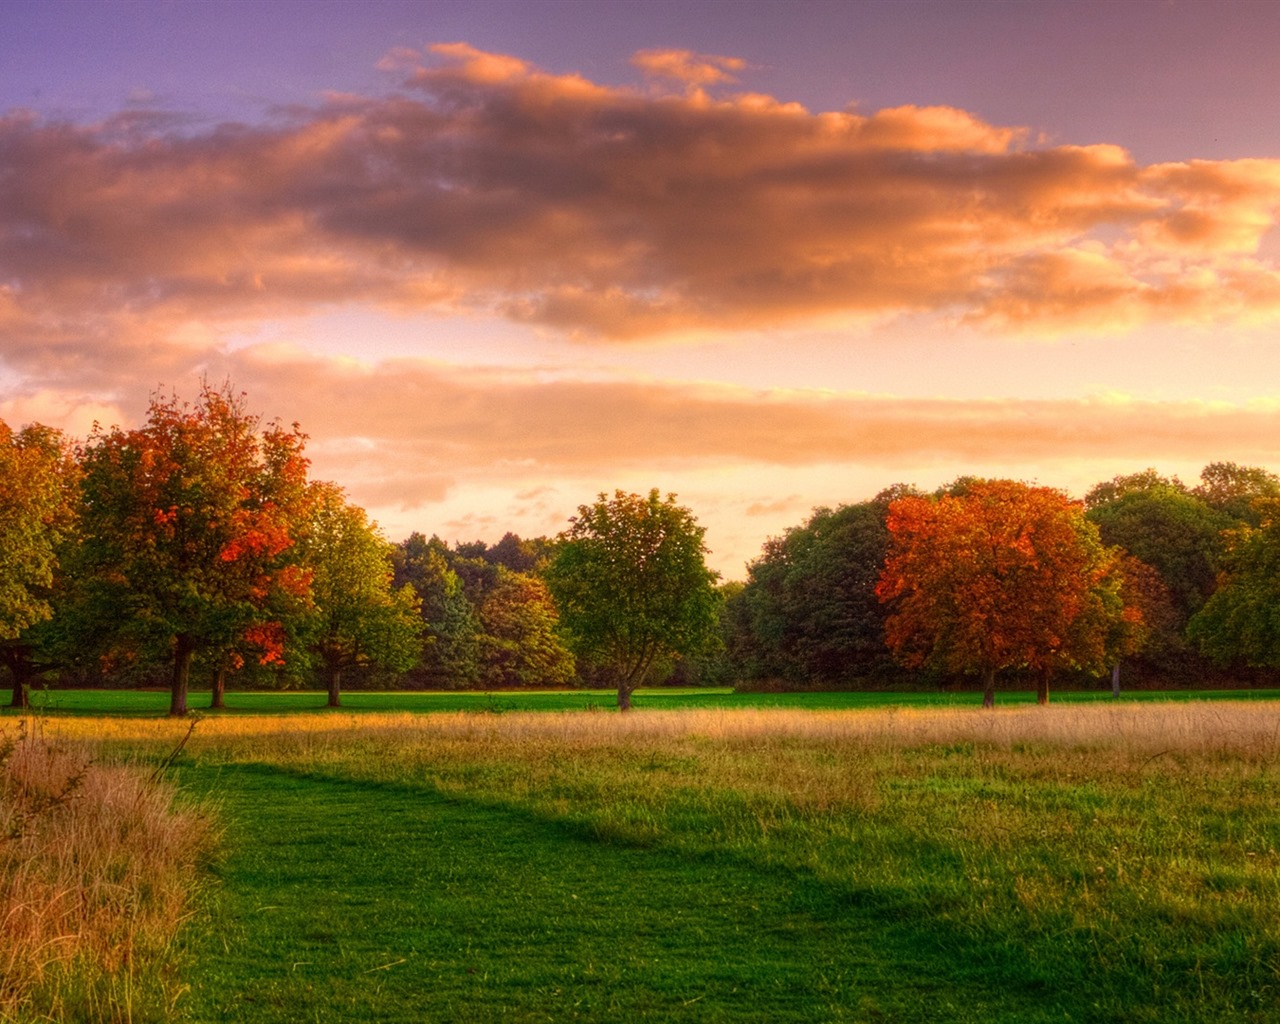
188 522
1174 532
356 618
632 585
1236 491
521 645
1004 576
38 500
809 613
1241 620
451 653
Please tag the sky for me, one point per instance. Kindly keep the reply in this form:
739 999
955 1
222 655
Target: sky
497 258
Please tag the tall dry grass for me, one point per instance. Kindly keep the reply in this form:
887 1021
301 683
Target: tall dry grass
97 872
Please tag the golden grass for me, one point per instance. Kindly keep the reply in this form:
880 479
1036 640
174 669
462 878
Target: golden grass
1240 728
97 869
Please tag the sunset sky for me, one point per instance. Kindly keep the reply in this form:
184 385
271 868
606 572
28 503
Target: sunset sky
498 257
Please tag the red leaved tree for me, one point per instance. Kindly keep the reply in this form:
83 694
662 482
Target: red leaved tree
1001 575
188 524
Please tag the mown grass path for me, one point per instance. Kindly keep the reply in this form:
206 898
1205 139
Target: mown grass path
343 900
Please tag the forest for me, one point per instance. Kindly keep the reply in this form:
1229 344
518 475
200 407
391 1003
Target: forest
195 551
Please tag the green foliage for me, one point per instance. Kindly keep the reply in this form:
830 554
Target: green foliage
632 585
1236 491
451 655
1174 532
1241 621
39 491
808 613
521 645
356 619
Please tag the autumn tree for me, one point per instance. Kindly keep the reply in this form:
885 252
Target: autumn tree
632 585
37 521
357 619
1000 576
187 523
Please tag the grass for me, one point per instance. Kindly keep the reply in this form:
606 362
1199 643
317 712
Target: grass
1095 862
97 867
156 702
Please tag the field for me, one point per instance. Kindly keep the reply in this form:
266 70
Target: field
1086 862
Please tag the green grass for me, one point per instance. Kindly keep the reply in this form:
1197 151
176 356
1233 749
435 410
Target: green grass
145 703
532 868
1093 862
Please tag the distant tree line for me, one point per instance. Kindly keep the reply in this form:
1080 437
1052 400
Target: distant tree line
197 547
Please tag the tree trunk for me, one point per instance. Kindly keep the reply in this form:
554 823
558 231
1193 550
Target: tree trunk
184 650
1115 679
335 680
21 689
624 697
989 688
1042 687
217 698
18 660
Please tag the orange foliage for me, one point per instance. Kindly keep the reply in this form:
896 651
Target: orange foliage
1003 575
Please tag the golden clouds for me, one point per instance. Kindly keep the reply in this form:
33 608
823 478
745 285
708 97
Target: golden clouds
494 187
406 431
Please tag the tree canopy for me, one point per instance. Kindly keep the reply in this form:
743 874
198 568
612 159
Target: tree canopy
1004 575
187 522
632 585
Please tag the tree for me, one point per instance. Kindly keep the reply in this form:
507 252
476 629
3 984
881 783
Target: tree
521 645
1241 620
451 654
188 521
632 585
809 605
37 522
1174 532
1003 576
1235 491
357 618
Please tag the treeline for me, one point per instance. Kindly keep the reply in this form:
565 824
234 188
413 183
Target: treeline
1196 570
197 547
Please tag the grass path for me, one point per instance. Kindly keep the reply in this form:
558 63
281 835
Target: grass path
343 900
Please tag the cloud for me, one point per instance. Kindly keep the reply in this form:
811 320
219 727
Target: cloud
486 185
694 69
406 432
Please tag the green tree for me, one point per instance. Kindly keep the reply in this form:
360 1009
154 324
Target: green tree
451 654
1236 491
38 500
356 619
632 585
1240 622
1171 530
521 645
809 606
187 525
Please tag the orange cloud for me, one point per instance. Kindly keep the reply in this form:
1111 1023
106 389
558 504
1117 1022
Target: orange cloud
687 66
493 187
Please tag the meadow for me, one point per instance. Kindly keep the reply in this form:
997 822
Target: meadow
1082 862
